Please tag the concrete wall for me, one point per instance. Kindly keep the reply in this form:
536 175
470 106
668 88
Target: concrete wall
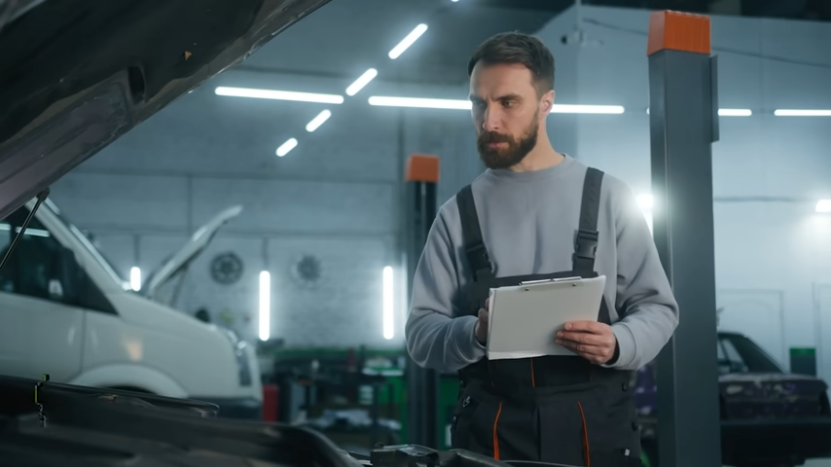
773 254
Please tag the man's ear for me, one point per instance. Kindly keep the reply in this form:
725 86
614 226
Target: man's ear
547 103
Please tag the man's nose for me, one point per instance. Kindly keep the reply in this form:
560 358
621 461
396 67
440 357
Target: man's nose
491 120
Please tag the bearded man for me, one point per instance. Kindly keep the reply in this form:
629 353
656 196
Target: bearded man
538 214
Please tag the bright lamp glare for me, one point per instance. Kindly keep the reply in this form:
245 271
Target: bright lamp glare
319 120
802 113
389 307
824 206
735 112
586 109
279 95
362 81
265 306
286 147
135 278
425 103
407 41
646 202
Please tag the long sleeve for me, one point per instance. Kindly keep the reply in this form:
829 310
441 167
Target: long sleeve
436 337
644 296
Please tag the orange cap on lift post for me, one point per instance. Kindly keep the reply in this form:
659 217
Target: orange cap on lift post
674 30
422 168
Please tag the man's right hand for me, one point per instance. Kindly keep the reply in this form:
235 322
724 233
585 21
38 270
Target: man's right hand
481 328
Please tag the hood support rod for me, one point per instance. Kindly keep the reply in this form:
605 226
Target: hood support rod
41 198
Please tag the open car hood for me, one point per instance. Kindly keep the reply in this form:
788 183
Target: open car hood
190 251
75 75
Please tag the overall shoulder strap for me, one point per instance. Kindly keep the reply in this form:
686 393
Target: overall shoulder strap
585 245
477 254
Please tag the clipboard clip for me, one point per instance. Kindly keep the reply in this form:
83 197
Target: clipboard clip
545 281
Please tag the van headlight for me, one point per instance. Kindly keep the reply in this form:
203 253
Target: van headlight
241 356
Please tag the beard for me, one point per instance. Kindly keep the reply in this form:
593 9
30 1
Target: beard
512 153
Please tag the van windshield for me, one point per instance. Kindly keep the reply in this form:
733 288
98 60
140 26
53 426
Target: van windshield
84 240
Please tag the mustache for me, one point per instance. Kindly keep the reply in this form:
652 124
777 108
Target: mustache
494 137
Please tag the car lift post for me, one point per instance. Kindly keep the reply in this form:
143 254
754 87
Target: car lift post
421 182
683 123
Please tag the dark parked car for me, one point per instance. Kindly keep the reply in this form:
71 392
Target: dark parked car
768 417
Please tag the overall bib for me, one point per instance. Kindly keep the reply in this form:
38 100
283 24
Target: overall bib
558 409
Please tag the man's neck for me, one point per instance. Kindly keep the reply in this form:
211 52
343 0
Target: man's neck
541 157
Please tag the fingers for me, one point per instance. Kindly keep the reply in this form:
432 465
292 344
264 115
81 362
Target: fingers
580 338
585 326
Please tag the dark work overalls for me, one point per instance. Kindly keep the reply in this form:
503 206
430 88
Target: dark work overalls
558 409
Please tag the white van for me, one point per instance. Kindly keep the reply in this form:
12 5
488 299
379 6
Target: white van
64 311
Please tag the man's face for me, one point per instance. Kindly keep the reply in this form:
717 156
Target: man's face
506 112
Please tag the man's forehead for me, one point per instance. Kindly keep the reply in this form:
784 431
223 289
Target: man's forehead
501 79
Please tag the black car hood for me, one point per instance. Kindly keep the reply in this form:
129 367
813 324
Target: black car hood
75 75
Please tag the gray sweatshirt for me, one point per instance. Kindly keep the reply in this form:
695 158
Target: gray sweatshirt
528 222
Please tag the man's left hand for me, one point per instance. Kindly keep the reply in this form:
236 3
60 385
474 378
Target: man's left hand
591 340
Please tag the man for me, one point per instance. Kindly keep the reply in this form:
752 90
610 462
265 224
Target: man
536 213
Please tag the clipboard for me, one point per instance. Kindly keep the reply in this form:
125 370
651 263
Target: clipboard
523 319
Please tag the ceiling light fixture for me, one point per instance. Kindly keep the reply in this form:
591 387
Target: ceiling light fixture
460 104
362 81
420 102
408 41
279 95
729 112
286 147
802 113
587 109
319 120
734 112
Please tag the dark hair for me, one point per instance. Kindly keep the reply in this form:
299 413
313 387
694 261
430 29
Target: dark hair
515 47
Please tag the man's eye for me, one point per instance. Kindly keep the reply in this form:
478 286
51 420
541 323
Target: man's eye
508 103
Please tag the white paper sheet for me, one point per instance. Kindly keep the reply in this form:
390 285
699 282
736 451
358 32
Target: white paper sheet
524 319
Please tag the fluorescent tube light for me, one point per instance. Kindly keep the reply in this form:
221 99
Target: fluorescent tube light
315 123
265 306
286 147
824 206
734 112
362 81
279 95
586 109
135 278
728 112
408 41
388 304
426 103
802 113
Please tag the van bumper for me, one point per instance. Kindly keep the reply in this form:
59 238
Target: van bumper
241 409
